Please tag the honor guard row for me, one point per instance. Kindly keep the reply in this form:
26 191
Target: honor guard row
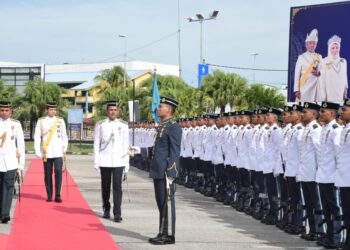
293 173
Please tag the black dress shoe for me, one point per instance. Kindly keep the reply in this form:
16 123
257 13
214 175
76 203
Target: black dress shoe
118 219
58 200
49 200
106 215
163 239
151 239
5 219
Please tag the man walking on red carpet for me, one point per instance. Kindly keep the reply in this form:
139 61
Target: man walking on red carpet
12 155
50 143
111 158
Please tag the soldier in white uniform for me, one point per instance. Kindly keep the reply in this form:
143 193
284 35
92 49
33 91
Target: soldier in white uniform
243 149
199 151
342 173
307 70
12 156
111 158
307 170
325 176
286 130
273 163
50 143
292 161
209 146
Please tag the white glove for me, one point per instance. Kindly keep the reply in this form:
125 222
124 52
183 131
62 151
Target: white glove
170 180
275 173
97 168
135 149
21 166
39 155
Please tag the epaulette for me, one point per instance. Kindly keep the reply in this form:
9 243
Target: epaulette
215 128
14 120
299 127
122 121
249 127
335 126
267 127
274 128
226 129
315 126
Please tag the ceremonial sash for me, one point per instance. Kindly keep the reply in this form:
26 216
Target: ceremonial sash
3 137
49 137
307 72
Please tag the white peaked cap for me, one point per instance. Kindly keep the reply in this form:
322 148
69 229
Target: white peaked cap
334 39
312 36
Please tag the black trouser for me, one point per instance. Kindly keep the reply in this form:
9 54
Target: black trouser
2 175
329 204
293 189
7 192
312 202
237 177
55 163
345 203
115 174
245 177
283 188
160 192
259 181
271 187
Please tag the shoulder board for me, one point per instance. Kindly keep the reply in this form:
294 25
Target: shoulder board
215 128
274 128
226 128
315 126
335 126
341 59
234 127
266 127
14 120
249 127
122 121
299 127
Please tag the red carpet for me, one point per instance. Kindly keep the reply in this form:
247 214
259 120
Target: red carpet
41 225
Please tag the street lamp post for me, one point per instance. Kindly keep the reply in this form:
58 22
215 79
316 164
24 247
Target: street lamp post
254 58
200 18
125 50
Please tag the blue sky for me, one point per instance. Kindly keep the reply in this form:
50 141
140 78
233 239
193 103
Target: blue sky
75 31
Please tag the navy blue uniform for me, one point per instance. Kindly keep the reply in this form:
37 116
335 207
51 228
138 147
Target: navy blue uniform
166 163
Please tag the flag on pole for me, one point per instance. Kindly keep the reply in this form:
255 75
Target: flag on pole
155 97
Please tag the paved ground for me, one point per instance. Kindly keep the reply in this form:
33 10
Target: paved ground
201 222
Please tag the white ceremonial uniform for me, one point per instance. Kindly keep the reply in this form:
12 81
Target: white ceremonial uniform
273 162
183 139
226 144
253 148
292 153
334 79
329 140
11 143
260 148
308 90
342 173
231 150
111 144
218 156
309 143
209 143
197 142
244 147
59 142
202 136
188 148
285 140
239 144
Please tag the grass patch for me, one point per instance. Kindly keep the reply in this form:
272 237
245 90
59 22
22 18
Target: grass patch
72 147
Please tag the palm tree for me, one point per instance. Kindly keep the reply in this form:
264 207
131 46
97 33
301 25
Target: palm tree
36 94
259 95
224 88
110 78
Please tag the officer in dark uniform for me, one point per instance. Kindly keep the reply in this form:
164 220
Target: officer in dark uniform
164 168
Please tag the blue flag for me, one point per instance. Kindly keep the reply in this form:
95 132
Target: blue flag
155 97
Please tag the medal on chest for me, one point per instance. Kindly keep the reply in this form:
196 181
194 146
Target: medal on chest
12 135
327 135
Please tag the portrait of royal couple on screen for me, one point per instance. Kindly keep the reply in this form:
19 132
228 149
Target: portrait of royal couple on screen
320 79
